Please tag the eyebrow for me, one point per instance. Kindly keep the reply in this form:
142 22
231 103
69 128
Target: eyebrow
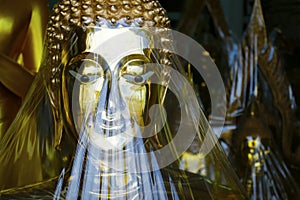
90 56
125 59
101 60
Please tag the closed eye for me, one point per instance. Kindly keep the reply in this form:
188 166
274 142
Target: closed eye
84 79
138 79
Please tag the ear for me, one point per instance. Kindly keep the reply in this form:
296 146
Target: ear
54 105
58 126
50 123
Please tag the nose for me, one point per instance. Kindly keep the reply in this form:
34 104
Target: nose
109 117
111 108
110 102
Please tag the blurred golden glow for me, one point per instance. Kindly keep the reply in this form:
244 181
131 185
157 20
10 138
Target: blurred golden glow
22 28
6 24
36 27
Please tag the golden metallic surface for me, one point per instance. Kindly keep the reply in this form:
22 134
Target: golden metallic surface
124 13
39 149
100 68
260 165
273 68
55 148
22 28
69 14
252 147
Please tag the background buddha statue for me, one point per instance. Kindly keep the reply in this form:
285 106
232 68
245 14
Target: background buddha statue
81 132
22 28
261 127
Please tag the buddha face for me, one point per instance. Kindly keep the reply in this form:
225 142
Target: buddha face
104 84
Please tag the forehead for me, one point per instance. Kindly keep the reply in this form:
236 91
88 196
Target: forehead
112 44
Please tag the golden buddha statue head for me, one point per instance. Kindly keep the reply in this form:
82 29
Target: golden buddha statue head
94 84
82 78
82 37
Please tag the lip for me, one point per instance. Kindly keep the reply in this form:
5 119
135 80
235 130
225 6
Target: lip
110 132
110 124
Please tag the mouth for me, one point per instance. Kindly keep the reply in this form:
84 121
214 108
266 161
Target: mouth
110 131
109 124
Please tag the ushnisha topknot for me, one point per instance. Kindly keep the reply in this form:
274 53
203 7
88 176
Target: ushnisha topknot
105 13
101 13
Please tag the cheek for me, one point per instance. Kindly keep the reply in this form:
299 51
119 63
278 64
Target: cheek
85 99
134 96
88 95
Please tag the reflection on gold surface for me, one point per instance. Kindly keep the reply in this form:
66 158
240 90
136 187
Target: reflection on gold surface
251 67
79 134
260 166
22 27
